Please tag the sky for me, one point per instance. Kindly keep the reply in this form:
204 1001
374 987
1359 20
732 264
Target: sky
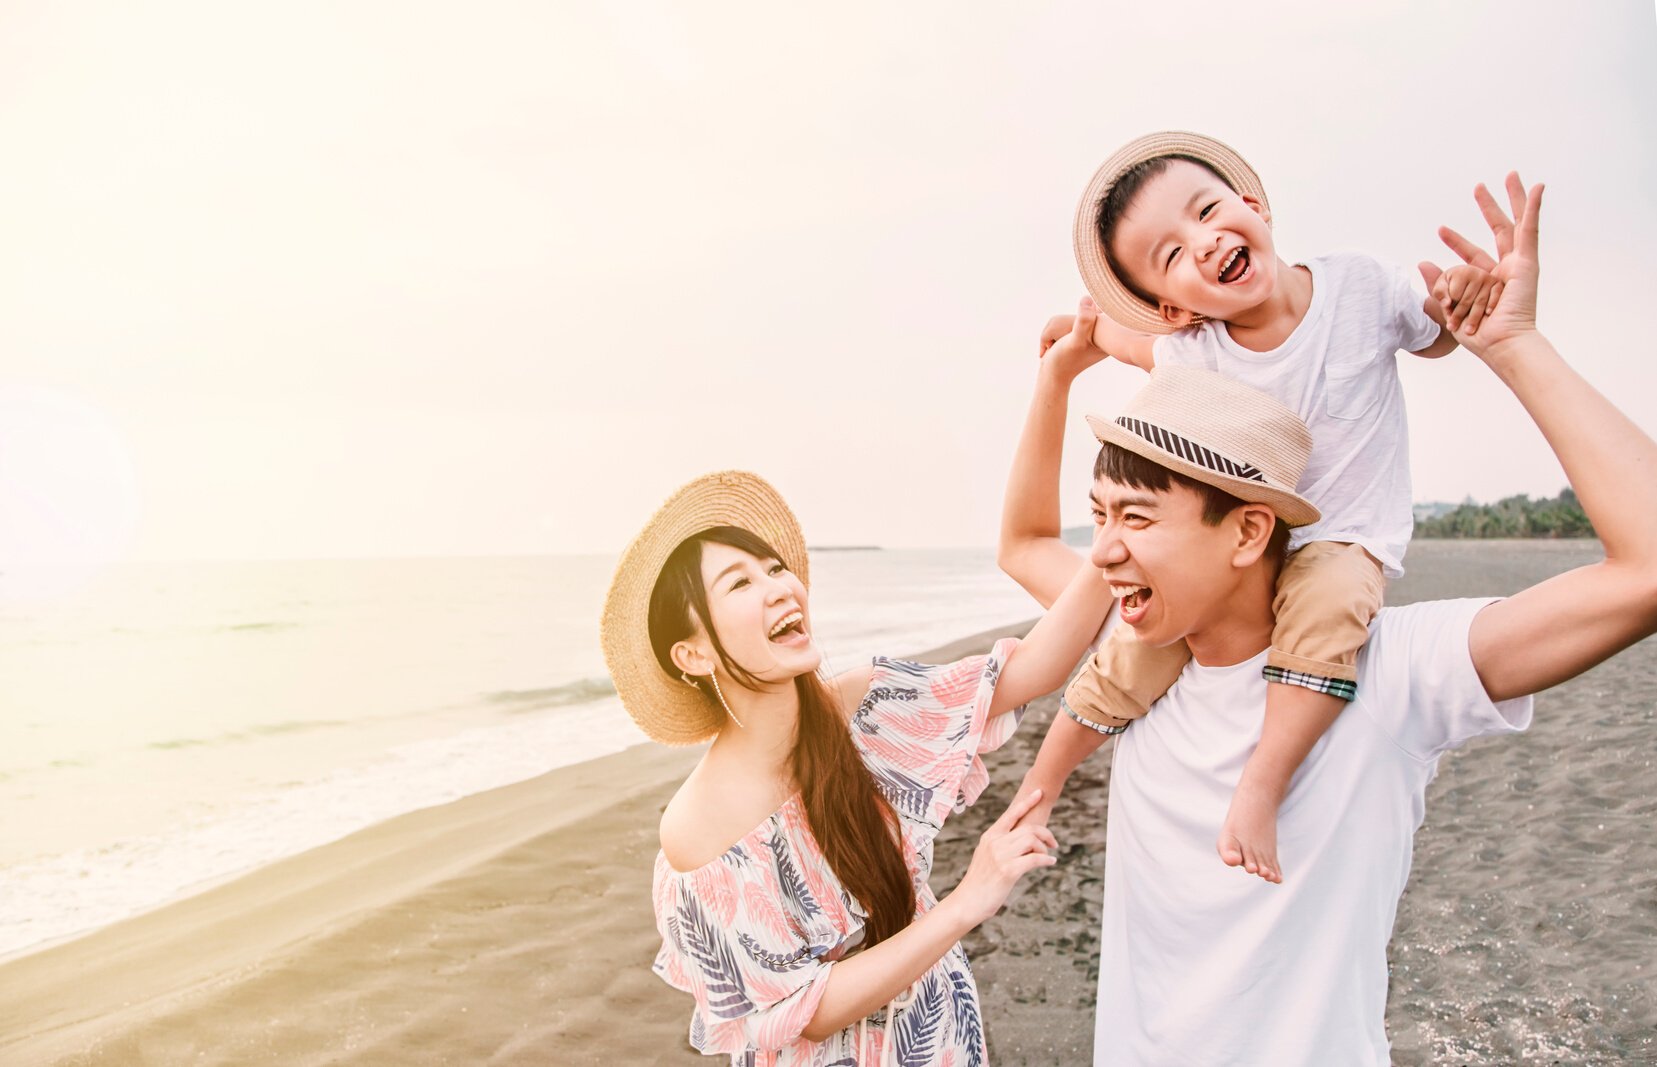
372 279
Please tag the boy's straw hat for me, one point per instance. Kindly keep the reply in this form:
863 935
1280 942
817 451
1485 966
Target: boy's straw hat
666 708
1218 432
1114 298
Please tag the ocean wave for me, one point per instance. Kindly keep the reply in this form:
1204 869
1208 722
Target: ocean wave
262 730
48 897
580 691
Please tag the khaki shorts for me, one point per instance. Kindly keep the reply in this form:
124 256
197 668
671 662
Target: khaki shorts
1327 594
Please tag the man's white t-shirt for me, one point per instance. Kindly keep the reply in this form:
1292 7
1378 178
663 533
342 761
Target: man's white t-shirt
1201 963
1338 371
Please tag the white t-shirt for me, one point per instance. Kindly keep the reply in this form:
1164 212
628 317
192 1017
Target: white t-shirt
1201 963
1338 370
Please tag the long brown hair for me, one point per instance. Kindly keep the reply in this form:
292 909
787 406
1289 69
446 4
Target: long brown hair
852 821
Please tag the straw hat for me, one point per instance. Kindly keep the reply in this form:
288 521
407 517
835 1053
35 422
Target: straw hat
1114 298
1221 433
666 708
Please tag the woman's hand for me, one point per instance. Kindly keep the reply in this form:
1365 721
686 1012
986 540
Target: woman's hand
864 981
1008 850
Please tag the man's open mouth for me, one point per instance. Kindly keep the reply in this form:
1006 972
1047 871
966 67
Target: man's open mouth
1132 597
1235 266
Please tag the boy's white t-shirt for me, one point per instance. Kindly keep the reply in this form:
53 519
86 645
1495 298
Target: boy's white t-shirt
1201 963
1338 371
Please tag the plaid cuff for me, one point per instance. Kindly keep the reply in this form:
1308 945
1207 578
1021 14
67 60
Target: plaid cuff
1108 731
1336 687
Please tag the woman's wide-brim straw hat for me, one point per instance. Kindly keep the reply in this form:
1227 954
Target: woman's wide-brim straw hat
1107 290
667 709
1221 433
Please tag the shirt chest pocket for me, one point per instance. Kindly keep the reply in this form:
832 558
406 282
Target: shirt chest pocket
1352 388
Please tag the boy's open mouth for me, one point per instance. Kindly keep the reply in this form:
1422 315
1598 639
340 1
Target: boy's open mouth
1235 266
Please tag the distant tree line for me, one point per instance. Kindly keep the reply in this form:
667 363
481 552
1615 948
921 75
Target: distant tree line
1514 516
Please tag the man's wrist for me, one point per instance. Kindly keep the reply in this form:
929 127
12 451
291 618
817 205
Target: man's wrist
1056 374
1510 352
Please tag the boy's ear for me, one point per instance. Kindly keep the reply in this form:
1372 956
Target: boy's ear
1258 208
1178 318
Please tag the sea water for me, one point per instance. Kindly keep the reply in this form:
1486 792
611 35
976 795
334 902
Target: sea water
173 724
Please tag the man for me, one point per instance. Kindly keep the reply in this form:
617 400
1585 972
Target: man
1198 964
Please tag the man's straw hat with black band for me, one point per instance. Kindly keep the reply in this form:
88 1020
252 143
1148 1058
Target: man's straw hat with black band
1113 297
1218 432
666 708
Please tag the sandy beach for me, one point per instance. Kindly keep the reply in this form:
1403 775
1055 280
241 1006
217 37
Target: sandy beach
514 926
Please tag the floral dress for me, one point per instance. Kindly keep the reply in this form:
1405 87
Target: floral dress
754 933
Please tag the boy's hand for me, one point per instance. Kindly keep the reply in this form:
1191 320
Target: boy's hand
1067 340
1042 810
1516 267
1465 294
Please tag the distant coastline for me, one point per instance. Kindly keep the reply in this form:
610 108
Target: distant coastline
1548 518
1514 516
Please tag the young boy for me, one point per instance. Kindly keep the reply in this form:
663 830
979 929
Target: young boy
1174 241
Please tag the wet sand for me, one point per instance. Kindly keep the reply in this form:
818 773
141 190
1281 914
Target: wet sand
514 927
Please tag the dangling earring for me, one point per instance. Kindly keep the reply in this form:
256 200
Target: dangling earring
714 678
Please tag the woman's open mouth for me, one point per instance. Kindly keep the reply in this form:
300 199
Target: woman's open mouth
1236 266
789 630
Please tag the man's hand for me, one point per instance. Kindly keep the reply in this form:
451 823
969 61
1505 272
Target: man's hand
1515 267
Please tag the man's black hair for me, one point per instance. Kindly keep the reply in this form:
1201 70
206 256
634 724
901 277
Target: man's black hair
1119 465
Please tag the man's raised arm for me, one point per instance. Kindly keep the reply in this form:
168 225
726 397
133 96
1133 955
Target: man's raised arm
1031 551
1559 628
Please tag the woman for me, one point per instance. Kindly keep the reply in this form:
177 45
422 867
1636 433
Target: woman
791 889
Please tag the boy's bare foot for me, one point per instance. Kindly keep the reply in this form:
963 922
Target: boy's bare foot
1248 838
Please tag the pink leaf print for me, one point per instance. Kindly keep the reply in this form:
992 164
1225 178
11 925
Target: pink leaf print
766 990
663 888
924 723
674 970
827 891
956 686
899 752
972 783
727 1036
781 1026
714 888
770 884
761 907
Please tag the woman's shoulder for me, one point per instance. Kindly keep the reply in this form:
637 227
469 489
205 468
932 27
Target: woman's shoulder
853 686
683 832
709 815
